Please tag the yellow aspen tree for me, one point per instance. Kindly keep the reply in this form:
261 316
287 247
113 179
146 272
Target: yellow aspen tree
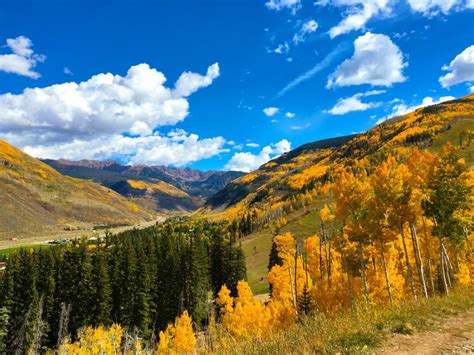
94 341
351 195
248 317
178 338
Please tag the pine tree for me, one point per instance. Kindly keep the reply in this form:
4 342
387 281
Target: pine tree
4 325
102 291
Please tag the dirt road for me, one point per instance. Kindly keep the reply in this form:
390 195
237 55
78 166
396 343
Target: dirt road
454 335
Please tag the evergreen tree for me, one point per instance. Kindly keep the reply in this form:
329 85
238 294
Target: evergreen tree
4 323
102 291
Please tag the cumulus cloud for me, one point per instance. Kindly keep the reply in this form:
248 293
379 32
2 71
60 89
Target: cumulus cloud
90 118
307 28
460 69
289 115
22 60
400 108
189 83
271 111
376 61
175 149
140 128
104 104
359 12
252 145
354 103
277 5
245 161
434 7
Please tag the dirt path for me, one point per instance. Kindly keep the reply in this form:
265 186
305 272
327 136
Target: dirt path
454 335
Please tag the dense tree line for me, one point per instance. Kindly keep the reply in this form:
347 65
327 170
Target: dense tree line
141 279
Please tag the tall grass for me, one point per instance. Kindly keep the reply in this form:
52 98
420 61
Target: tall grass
355 331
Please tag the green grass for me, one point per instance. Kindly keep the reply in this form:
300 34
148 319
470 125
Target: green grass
257 246
9 251
452 135
358 331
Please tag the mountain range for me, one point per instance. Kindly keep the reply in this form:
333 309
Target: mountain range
158 188
51 195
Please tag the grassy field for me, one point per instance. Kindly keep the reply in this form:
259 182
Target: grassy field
358 331
452 135
257 246
8 251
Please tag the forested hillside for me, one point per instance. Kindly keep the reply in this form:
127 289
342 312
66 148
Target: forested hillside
141 279
293 180
37 199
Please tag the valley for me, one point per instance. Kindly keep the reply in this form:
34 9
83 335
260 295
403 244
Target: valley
336 237
236 177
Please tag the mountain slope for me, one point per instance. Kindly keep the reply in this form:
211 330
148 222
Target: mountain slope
37 199
310 165
162 188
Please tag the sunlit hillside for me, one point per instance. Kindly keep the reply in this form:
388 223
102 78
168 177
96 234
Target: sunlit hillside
269 191
36 199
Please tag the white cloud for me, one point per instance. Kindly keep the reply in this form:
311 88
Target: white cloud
460 69
289 115
434 7
140 128
401 108
245 161
282 48
189 83
376 61
252 145
354 103
271 111
307 27
22 60
61 120
471 89
359 12
151 150
20 46
277 5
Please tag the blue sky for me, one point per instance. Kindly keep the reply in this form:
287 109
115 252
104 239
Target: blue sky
260 77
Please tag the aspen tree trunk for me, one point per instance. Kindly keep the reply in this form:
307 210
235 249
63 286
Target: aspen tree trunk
456 259
428 257
443 272
320 258
419 261
364 277
448 276
409 271
387 280
296 279
349 284
449 265
329 265
292 289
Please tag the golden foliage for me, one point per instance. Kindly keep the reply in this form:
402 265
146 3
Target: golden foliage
95 341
